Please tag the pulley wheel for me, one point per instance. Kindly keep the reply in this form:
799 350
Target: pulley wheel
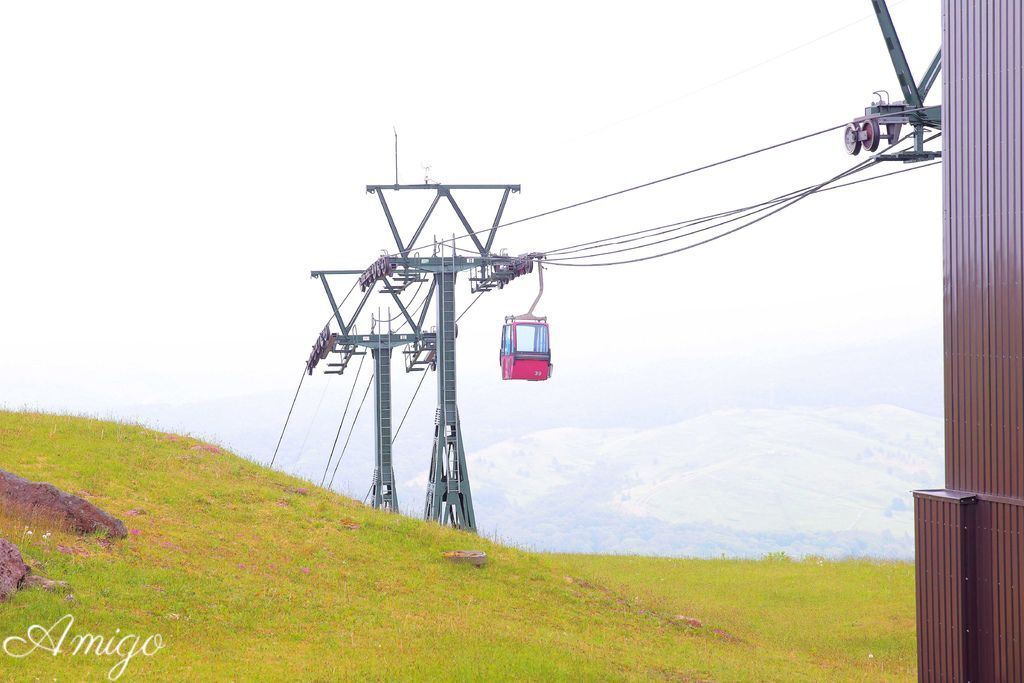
851 139
872 135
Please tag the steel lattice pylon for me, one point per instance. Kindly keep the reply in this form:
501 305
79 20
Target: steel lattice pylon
383 492
449 498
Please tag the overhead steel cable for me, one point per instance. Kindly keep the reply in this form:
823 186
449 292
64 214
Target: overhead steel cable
424 377
302 379
344 414
316 412
343 299
466 309
408 407
738 214
289 417
408 305
855 169
416 313
605 242
800 138
652 232
733 75
666 228
746 213
350 430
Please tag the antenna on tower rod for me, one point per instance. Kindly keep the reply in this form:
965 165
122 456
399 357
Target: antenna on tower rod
395 130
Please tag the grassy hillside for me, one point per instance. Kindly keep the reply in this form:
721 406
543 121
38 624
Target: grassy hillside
245 578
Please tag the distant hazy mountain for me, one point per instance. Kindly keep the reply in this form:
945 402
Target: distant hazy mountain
740 482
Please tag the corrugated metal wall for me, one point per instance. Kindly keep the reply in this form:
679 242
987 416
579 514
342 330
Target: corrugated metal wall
942 524
983 133
970 611
970 556
998 554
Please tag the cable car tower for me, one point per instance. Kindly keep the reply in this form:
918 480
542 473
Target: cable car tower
449 498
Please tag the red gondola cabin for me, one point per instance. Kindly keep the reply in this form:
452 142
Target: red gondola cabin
525 350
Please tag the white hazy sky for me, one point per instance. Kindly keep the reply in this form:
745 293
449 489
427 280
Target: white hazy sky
170 172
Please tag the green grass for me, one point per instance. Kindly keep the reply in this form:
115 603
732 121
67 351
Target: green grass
245 579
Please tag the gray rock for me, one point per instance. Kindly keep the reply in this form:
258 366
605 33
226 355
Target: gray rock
36 581
477 558
46 500
12 569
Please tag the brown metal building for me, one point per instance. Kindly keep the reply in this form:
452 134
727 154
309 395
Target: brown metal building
970 536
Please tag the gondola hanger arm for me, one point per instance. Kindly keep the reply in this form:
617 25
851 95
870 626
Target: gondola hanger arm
529 315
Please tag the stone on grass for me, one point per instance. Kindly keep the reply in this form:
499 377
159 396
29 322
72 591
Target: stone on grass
36 581
477 558
726 636
12 569
46 500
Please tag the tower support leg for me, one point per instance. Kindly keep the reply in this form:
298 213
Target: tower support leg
449 498
383 494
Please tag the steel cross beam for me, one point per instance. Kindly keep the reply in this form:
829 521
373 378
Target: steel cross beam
928 80
914 93
445 191
322 276
899 60
388 288
374 341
